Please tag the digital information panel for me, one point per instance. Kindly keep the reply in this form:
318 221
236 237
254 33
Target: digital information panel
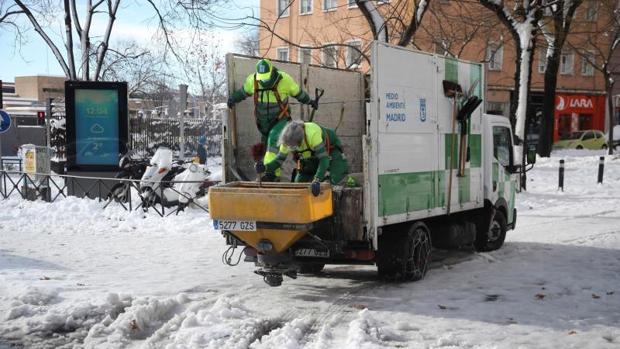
96 124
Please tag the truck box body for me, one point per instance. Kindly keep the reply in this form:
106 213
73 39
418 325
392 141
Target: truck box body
411 136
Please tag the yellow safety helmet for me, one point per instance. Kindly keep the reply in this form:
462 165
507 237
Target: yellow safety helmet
263 70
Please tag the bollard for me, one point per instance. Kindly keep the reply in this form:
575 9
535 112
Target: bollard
561 176
601 166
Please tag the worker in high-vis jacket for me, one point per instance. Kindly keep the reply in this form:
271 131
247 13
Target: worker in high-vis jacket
270 88
317 150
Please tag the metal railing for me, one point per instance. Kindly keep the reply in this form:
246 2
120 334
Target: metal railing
52 187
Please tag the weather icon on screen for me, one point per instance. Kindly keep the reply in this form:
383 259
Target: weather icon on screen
96 129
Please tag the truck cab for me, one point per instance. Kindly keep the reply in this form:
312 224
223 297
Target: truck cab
500 180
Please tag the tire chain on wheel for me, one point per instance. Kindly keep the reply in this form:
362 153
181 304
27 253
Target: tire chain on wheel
399 264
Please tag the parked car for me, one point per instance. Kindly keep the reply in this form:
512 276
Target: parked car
587 139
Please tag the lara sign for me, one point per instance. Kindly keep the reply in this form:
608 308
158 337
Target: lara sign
583 103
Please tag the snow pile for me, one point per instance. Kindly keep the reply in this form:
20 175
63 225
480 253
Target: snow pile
223 324
139 321
290 336
367 333
35 320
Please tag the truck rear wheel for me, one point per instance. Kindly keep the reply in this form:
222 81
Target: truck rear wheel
405 257
494 237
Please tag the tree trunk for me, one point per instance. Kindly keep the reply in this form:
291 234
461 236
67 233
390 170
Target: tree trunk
514 100
85 41
528 112
69 43
545 139
524 68
375 20
609 86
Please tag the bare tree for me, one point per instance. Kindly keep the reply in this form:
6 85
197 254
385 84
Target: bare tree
77 65
139 66
249 42
555 30
598 48
395 19
8 12
522 24
455 29
204 65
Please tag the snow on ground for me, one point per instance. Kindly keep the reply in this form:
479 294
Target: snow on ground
75 275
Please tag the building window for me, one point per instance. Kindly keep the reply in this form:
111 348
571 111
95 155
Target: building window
305 7
354 57
351 4
566 62
330 5
304 55
330 56
495 56
587 64
283 8
495 108
591 11
542 60
283 54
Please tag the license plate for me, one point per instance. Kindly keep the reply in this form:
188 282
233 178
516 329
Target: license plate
311 252
234 225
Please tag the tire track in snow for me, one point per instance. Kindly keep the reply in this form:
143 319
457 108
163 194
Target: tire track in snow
345 307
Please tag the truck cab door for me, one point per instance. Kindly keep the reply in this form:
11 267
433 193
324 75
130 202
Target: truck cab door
503 181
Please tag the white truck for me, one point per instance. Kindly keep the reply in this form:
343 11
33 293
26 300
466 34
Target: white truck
433 170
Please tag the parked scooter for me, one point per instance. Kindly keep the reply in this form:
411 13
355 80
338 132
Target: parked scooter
191 183
130 168
169 179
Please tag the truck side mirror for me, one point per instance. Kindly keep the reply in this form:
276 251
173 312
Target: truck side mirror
515 159
531 155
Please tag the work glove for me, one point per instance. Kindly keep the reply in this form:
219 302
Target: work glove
316 187
259 166
313 104
230 103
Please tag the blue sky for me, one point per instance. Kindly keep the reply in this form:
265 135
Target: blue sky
134 22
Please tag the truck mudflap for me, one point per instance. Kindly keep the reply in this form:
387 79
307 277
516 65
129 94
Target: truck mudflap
513 224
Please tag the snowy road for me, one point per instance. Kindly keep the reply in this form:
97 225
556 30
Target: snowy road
74 275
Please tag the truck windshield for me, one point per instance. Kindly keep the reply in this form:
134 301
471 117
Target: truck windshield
502 144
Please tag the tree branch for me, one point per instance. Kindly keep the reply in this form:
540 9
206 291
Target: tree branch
46 38
112 9
76 19
419 10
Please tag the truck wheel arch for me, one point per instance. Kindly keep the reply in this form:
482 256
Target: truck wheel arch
487 213
502 206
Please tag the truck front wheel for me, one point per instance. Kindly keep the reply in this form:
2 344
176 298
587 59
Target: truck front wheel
494 237
405 257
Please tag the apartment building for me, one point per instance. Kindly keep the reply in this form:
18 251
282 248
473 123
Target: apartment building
462 29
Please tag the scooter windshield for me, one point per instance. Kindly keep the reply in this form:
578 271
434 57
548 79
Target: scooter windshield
162 158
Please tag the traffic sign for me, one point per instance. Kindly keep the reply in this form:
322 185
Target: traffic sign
5 121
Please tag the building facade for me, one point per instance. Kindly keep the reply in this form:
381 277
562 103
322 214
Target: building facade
306 31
